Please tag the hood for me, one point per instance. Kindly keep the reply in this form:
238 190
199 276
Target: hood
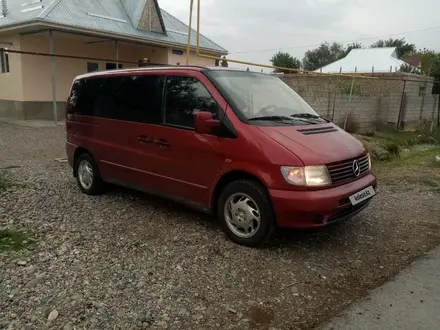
316 144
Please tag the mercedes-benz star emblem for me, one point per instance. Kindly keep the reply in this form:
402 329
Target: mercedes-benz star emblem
356 168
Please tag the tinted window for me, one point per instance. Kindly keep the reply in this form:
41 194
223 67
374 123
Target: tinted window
112 66
130 98
92 67
82 97
184 97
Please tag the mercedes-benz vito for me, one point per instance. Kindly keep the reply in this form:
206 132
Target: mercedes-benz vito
241 145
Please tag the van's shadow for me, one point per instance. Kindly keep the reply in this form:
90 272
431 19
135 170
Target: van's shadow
283 237
163 205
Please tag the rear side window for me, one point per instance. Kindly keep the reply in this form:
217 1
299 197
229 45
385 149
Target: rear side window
184 97
82 97
130 98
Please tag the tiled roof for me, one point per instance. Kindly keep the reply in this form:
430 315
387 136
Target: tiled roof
107 16
363 61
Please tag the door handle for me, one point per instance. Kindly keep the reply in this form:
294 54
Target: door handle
144 139
162 143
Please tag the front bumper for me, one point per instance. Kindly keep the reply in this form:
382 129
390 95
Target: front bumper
308 209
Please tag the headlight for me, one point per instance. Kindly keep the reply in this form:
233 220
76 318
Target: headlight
369 161
311 176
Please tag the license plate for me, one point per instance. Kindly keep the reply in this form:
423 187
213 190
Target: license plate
362 195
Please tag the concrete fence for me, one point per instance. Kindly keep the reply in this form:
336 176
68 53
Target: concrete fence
398 101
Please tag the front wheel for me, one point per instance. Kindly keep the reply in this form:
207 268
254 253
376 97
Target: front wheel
245 212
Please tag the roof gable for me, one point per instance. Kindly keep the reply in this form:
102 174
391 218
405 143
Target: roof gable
145 15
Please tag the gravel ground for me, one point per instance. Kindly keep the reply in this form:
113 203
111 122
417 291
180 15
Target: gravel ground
126 260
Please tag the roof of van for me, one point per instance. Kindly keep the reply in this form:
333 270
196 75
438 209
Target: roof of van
154 68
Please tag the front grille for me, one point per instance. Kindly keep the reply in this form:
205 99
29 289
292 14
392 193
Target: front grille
343 171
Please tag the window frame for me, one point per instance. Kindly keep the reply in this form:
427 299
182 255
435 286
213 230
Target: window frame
164 101
5 66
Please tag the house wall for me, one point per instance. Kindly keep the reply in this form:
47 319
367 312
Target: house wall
36 70
11 87
26 92
37 83
194 59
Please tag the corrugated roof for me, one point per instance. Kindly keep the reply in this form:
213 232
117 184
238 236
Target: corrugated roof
104 16
363 61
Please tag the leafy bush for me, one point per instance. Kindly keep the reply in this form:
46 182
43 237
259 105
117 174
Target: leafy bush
393 148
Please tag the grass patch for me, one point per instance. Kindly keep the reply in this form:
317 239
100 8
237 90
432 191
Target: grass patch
14 240
393 148
420 159
386 146
419 168
407 139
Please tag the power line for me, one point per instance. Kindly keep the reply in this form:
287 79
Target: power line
340 41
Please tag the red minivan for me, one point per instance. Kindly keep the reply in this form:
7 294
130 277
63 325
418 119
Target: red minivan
239 144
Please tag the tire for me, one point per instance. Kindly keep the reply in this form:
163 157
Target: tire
249 198
87 175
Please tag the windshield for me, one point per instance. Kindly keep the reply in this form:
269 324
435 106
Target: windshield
260 97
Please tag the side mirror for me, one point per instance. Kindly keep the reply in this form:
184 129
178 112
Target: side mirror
204 123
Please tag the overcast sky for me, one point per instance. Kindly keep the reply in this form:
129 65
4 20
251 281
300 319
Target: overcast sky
253 30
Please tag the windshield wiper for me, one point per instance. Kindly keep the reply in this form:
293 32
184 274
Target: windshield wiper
307 115
272 118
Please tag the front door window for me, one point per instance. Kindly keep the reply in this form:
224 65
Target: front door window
186 96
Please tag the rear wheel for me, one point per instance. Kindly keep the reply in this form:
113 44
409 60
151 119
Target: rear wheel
245 212
87 175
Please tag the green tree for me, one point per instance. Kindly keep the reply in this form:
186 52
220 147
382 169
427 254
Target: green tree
325 54
403 48
430 61
409 69
285 60
217 62
354 45
430 66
